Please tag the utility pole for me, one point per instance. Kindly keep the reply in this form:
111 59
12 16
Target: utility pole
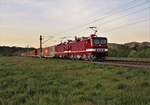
41 46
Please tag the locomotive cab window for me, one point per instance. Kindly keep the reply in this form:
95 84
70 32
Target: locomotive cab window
99 41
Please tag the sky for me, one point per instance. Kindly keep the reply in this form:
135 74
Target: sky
121 21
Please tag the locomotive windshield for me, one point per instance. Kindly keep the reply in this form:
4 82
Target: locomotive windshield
99 41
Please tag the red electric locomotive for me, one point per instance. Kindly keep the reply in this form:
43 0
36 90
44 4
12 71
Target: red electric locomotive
87 48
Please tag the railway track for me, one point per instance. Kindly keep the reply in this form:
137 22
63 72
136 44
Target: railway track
126 63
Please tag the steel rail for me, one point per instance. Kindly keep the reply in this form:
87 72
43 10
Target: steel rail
126 63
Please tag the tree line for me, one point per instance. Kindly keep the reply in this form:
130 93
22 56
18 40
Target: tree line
13 51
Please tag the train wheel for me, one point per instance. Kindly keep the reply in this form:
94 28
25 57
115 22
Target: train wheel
92 58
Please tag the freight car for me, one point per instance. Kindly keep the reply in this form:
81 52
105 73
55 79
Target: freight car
49 52
87 48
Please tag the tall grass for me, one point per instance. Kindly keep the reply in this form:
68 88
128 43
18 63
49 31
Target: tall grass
28 81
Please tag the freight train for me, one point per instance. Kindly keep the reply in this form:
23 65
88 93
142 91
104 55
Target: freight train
86 48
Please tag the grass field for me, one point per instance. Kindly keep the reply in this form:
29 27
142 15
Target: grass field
28 81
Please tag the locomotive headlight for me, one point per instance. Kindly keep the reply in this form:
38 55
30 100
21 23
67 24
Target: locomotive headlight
105 49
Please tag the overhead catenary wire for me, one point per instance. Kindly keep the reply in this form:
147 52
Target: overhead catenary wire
110 13
79 26
107 13
50 37
116 11
123 16
129 24
117 19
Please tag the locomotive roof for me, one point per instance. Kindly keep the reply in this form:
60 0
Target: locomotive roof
80 39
